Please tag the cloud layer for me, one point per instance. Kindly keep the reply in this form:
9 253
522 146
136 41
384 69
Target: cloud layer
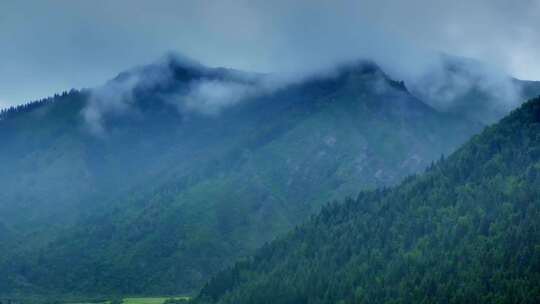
207 91
85 43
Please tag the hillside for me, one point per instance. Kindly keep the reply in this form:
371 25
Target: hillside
153 182
466 231
470 88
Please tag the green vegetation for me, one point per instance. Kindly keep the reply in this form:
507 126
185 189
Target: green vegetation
164 198
67 299
466 231
140 300
163 300
180 300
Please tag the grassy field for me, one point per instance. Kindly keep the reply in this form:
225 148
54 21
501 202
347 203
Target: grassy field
143 300
150 300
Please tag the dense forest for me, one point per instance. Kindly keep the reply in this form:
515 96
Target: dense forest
163 199
466 231
151 183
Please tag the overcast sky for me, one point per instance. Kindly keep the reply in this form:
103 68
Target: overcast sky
48 46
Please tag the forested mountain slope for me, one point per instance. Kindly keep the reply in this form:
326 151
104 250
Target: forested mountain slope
153 182
466 231
170 172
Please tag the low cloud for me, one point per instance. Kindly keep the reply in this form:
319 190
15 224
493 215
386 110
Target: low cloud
211 96
450 83
442 81
89 41
112 98
4 104
208 93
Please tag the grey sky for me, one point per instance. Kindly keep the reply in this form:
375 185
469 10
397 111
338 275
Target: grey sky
47 46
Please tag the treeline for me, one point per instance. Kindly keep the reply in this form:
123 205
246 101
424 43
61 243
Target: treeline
30 106
466 231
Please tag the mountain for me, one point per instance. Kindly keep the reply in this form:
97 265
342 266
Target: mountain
472 89
465 231
168 173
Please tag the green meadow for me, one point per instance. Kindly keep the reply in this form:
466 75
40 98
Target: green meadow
158 300
138 300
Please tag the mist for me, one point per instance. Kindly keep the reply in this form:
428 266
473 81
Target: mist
88 43
443 82
206 94
205 129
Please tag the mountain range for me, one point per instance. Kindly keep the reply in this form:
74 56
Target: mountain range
171 172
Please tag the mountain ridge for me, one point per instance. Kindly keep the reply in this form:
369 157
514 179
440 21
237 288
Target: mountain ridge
165 179
467 229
